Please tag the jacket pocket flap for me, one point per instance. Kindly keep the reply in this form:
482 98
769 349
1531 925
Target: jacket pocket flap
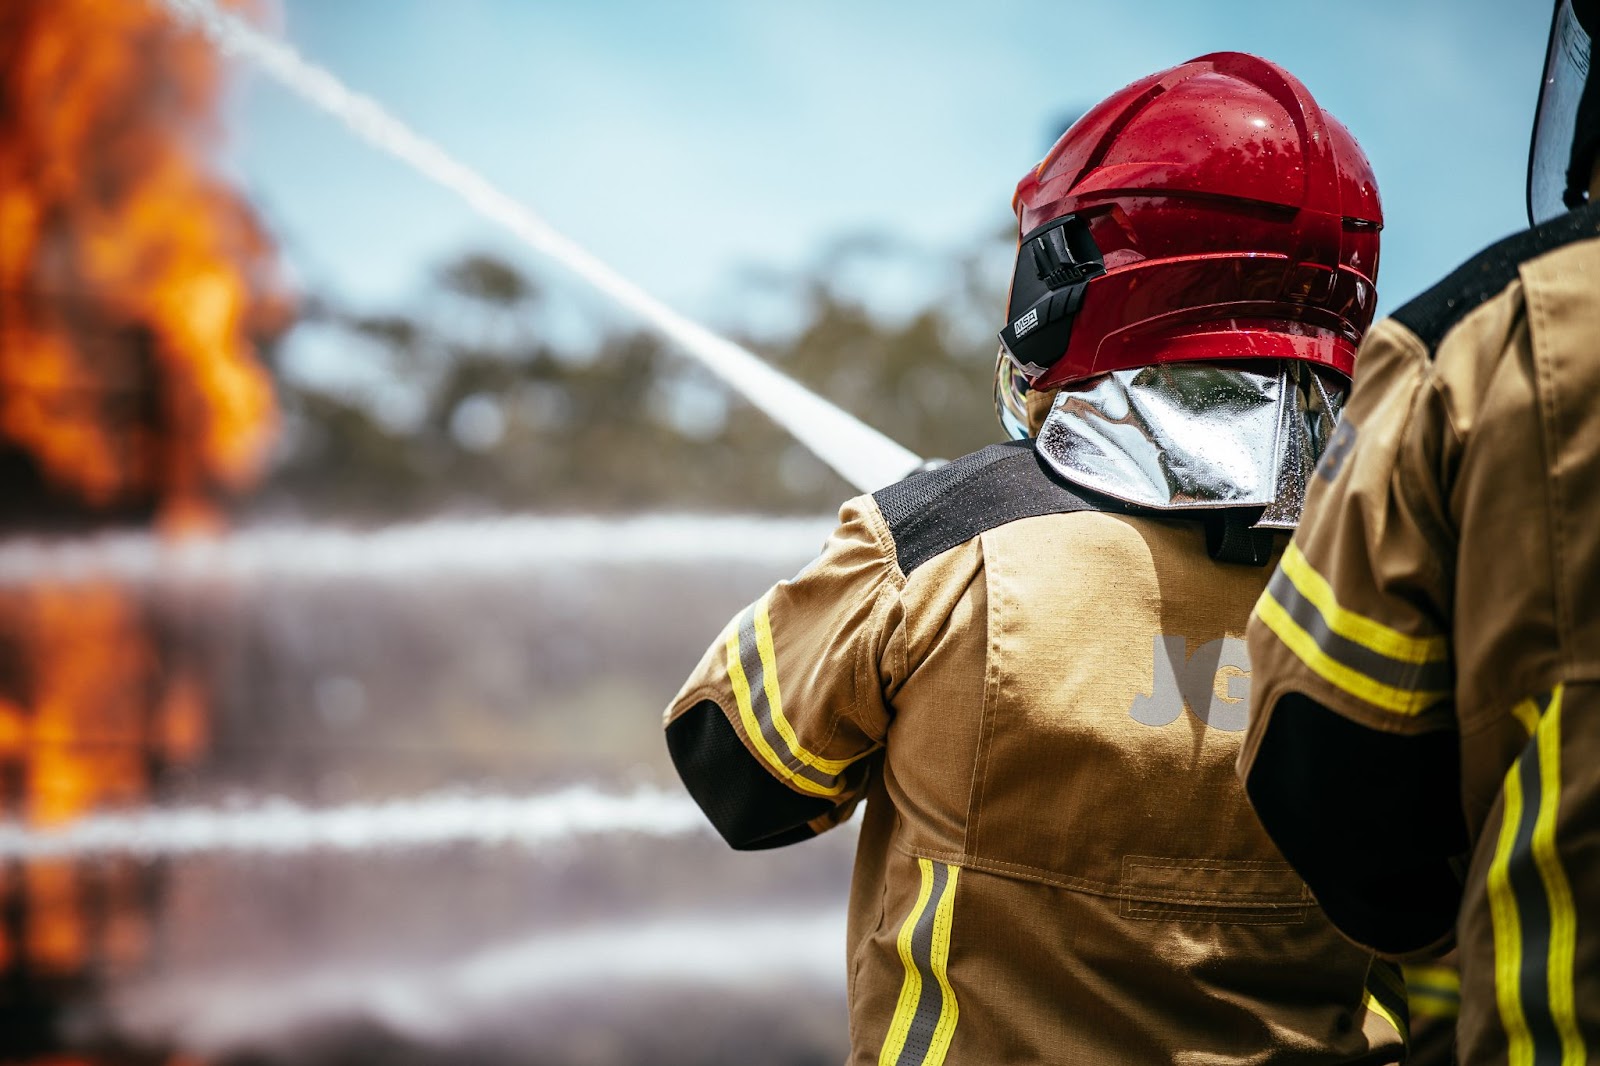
1211 882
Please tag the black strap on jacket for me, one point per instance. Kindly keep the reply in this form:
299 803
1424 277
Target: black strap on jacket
1231 536
933 511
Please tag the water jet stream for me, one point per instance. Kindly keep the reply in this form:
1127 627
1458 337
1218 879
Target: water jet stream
569 971
860 454
453 548
280 827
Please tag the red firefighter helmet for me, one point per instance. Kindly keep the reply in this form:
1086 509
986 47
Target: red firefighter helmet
1211 212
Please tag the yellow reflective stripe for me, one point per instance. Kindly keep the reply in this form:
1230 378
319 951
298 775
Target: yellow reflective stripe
1433 990
943 919
769 667
1508 928
1528 714
1386 997
1307 650
1375 1005
1434 1003
1368 632
1445 979
1563 919
911 986
752 726
1390 976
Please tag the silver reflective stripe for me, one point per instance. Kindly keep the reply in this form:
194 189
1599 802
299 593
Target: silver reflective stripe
930 1005
926 1014
1434 676
755 672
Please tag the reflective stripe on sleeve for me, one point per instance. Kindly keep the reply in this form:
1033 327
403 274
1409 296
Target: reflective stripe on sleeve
753 672
1531 908
1433 991
1385 996
926 1014
1376 664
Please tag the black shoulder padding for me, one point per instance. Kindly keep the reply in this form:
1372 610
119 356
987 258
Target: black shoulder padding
748 806
932 512
1484 276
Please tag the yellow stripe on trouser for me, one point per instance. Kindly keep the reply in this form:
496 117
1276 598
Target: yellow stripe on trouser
911 986
1563 920
923 1025
1527 712
943 922
769 664
1552 903
752 726
1508 928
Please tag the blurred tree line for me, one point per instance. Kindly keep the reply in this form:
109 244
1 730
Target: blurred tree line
501 417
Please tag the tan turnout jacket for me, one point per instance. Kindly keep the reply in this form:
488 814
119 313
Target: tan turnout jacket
1042 709
1442 600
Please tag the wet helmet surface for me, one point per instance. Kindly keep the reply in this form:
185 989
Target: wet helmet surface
1210 212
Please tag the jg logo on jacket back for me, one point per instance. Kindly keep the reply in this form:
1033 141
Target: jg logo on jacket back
1214 683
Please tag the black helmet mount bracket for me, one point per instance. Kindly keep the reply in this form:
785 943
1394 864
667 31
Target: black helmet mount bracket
1055 263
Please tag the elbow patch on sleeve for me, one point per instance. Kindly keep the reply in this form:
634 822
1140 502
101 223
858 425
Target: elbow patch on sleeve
747 805
1371 820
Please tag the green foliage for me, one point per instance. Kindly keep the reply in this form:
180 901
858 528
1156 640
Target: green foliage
501 419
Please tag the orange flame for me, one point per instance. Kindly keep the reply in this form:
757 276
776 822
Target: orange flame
130 276
135 287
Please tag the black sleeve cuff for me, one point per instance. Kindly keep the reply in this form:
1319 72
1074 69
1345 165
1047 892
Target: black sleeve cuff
1371 820
750 808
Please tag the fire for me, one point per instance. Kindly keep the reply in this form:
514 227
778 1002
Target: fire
135 291
132 280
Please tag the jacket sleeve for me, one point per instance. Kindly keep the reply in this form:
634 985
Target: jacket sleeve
1351 757
771 732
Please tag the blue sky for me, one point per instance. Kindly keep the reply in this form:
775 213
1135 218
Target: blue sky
684 141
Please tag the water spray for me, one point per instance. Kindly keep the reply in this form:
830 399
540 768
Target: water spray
278 827
570 972
454 548
857 452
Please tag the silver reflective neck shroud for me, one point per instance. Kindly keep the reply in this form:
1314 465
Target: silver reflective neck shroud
1189 436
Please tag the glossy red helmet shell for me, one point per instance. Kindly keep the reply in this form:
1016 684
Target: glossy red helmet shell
1236 219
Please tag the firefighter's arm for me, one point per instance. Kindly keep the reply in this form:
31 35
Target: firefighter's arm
1351 759
771 732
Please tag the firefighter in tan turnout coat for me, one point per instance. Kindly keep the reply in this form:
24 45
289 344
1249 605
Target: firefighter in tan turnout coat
1030 662
1426 740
